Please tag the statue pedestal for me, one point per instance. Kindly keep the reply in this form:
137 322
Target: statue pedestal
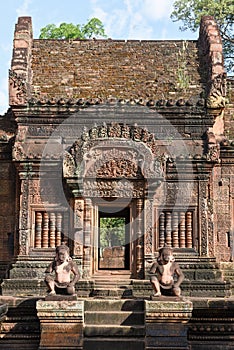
3 312
166 323
61 324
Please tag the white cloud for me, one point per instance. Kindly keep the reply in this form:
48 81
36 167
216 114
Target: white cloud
24 8
123 21
157 9
4 103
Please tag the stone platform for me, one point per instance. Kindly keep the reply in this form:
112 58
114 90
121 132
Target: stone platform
61 323
103 324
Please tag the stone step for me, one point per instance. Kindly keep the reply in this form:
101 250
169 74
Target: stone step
114 317
114 305
21 327
111 292
114 331
113 344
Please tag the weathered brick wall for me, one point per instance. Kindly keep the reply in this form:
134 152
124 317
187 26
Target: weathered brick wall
122 69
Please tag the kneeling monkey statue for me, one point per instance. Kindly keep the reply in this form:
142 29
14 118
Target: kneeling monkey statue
166 274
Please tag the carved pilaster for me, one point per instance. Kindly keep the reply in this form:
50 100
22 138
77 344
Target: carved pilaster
148 226
140 238
79 214
161 229
78 226
203 218
87 249
23 218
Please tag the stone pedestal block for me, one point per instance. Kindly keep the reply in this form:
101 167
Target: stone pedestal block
3 312
61 324
166 323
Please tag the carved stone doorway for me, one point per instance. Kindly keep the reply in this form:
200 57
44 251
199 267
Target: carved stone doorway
113 239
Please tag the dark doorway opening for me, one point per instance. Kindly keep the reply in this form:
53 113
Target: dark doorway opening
114 244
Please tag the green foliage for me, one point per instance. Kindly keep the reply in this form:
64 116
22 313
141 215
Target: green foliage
191 11
183 80
112 232
94 27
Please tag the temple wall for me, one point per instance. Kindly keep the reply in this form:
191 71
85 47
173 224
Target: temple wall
136 69
7 210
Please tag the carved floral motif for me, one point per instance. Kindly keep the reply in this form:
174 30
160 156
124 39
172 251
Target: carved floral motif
217 93
18 88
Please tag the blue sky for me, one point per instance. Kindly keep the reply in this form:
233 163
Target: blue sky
123 19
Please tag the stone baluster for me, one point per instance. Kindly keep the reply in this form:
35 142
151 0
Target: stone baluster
175 234
161 230
45 231
168 228
52 230
58 239
38 230
182 230
189 239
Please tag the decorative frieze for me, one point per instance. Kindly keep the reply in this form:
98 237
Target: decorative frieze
114 188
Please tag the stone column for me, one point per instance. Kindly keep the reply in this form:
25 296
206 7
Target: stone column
166 324
61 323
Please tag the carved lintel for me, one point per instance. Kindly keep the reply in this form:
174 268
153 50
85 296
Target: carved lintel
114 188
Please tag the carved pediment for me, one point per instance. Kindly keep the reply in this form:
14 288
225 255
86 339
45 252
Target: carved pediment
114 152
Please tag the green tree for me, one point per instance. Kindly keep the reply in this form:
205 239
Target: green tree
94 27
191 11
112 231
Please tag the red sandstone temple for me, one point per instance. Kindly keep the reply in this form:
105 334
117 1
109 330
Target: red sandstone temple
138 132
